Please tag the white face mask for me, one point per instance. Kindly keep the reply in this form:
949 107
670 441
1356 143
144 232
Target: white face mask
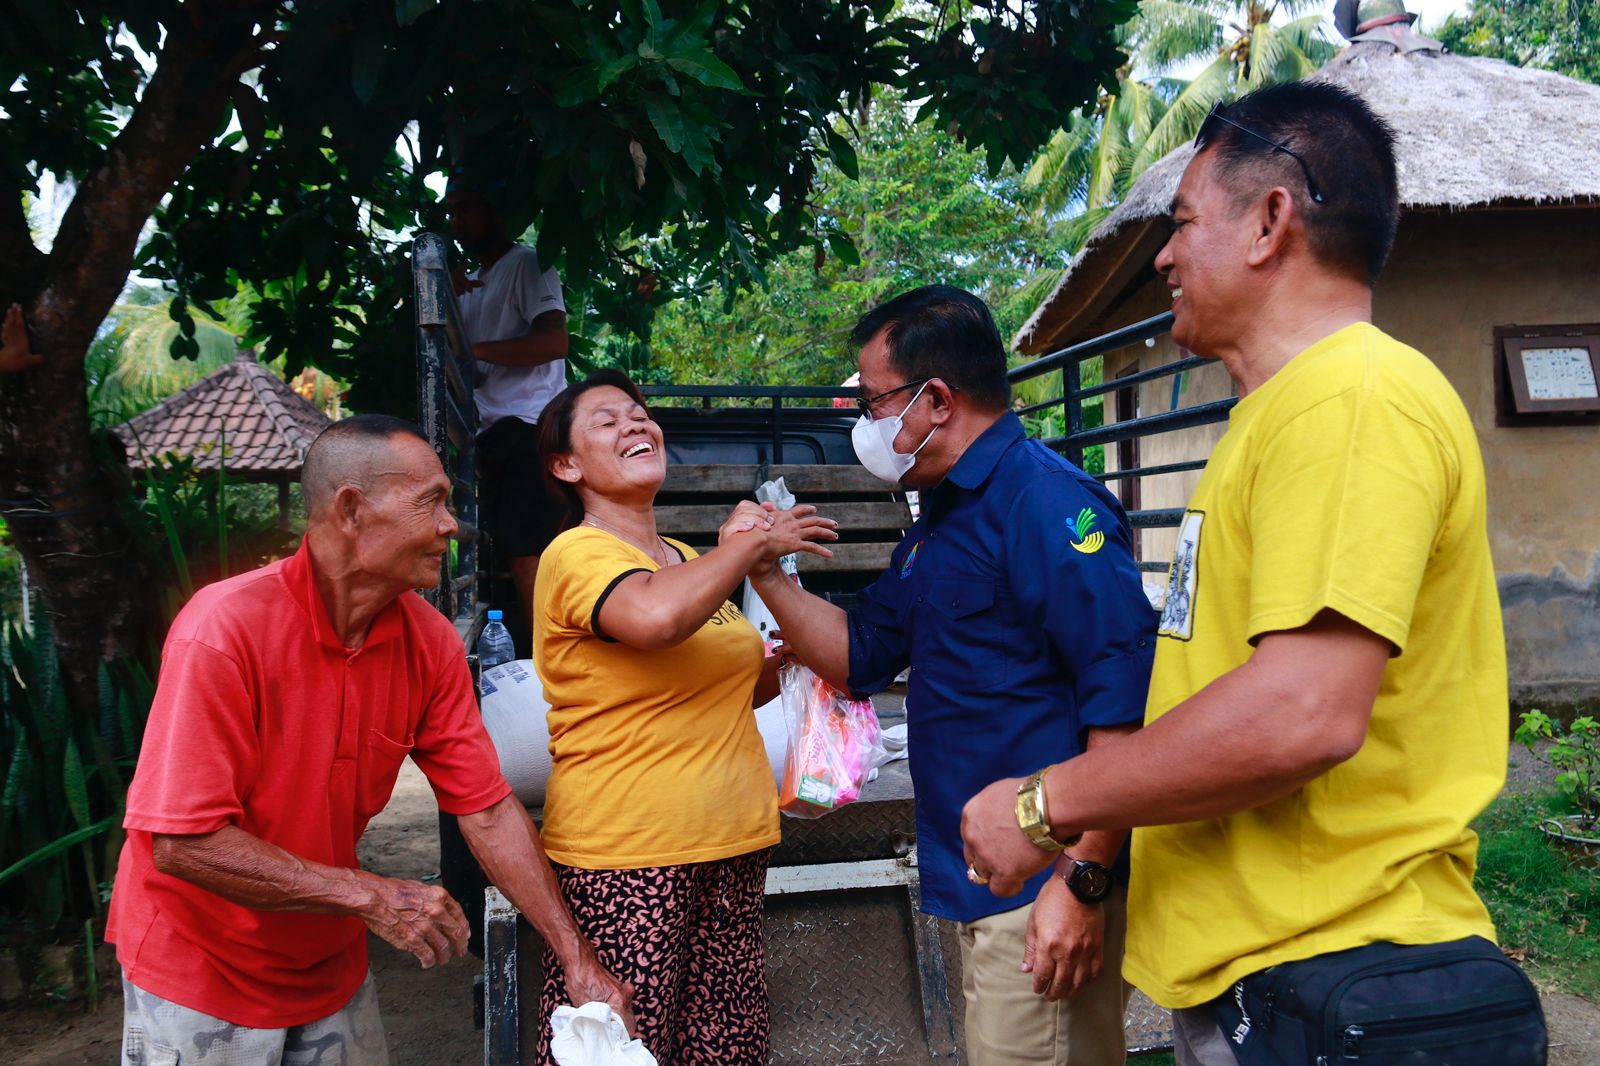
873 439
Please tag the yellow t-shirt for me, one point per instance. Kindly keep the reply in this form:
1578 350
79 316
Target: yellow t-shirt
1350 480
655 756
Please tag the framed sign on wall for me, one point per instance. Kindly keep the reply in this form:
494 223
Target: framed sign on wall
1547 375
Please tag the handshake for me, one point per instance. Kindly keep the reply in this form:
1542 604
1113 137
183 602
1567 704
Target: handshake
774 533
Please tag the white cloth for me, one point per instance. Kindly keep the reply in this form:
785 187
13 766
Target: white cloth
593 1035
515 291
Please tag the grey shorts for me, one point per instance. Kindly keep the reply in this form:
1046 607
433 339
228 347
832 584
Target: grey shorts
158 1032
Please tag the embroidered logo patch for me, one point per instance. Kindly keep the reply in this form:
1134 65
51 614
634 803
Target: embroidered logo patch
910 560
1083 540
1183 580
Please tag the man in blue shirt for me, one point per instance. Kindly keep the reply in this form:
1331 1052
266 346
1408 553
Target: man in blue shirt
1016 601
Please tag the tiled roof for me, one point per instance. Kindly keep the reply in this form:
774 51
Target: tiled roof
243 409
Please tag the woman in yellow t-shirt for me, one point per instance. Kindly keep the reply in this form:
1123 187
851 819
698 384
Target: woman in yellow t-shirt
660 810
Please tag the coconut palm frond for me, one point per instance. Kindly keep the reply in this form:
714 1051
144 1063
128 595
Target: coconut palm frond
1112 154
1183 118
1060 174
131 368
1142 107
1034 291
1299 7
1173 32
1274 59
1309 35
1074 232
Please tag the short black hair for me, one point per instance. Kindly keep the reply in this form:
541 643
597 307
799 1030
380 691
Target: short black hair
940 331
1345 145
337 452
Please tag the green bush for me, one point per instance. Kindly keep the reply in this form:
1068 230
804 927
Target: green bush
1575 753
62 784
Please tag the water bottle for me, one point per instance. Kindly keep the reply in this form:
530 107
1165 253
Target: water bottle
494 644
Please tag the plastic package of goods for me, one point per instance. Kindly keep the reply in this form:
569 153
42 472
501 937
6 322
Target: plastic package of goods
834 744
777 494
517 717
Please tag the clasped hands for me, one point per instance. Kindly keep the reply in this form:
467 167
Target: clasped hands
782 532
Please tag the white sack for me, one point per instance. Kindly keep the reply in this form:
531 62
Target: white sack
517 717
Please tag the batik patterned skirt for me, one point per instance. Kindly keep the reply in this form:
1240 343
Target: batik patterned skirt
689 940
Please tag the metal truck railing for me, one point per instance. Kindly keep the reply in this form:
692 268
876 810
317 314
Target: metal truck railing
1069 362
448 415
774 395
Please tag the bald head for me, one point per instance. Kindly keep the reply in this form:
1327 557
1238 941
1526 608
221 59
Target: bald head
355 451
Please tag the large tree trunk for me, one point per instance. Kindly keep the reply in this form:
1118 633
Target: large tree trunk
60 505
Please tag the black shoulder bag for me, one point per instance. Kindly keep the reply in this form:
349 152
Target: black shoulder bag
1461 1003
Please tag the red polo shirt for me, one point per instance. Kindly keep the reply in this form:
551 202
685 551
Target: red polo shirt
264 720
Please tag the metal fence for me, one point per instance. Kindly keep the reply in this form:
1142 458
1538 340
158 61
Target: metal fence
448 415
1068 362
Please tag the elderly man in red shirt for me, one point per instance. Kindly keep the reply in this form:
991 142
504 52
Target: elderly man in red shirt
287 700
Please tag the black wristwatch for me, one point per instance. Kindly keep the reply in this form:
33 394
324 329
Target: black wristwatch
1089 881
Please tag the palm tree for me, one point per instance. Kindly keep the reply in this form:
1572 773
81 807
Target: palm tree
131 368
1087 167
1248 51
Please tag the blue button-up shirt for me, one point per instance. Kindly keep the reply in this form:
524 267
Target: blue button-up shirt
1017 603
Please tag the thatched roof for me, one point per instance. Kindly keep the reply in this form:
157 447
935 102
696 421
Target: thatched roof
243 414
1473 133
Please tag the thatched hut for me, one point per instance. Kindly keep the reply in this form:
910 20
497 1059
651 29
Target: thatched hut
1499 172
242 419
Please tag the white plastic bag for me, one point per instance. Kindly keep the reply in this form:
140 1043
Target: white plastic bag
777 494
593 1035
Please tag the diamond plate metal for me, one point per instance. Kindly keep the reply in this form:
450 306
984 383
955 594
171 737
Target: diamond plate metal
841 965
843 980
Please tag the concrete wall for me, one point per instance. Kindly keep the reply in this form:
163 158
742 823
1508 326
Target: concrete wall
1452 279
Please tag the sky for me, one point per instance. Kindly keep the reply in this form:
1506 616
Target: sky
1432 12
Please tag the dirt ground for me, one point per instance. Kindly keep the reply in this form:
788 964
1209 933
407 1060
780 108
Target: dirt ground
429 1013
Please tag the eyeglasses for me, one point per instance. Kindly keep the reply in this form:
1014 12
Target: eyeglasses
1311 183
866 403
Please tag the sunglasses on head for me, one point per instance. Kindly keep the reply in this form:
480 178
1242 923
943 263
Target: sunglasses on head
1311 182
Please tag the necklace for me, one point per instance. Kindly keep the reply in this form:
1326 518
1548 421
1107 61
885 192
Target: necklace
657 554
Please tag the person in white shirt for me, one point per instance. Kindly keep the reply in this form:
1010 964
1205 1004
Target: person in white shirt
514 317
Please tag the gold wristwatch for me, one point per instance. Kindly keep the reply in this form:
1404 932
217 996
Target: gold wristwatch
1033 815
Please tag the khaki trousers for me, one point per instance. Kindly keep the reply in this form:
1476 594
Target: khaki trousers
1009 1025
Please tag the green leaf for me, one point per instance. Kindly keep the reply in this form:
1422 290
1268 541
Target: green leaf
667 119
707 69
54 848
614 70
843 248
844 154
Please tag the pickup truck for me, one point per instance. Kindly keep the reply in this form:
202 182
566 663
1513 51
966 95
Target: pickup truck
857 973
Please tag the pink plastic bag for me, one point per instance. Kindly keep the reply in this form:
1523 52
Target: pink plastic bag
834 744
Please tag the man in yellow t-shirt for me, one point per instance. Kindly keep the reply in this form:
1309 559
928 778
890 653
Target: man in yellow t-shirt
1328 708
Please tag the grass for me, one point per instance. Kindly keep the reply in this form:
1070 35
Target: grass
1544 898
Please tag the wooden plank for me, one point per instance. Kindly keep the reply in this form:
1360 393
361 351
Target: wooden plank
740 478
869 558
689 519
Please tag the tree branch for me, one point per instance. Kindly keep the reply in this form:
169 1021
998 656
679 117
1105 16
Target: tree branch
179 110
